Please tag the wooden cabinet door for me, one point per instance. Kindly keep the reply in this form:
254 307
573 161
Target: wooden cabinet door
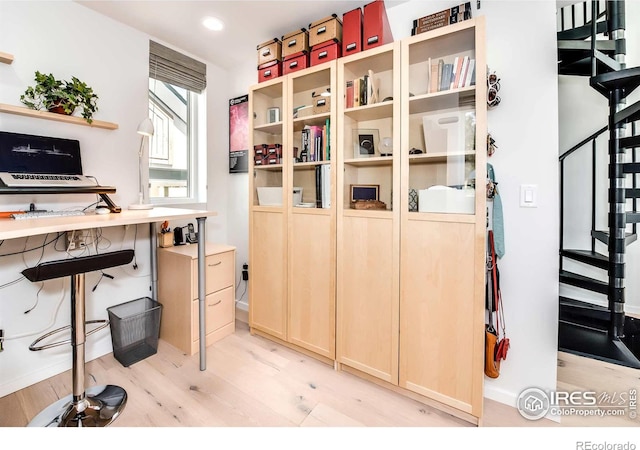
312 279
268 293
439 312
368 292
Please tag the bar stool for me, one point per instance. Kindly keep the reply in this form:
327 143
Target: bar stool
96 406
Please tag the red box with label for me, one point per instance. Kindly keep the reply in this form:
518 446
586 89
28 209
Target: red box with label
274 149
352 32
260 150
295 62
269 71
376 30
259 160
327 51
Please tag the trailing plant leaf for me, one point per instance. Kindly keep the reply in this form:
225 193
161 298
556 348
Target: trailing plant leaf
50 93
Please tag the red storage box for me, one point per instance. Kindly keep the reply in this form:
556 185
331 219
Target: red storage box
376 30
295 62
269 71
352 32
260 150
325 52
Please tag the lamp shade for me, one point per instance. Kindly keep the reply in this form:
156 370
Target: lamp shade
146 127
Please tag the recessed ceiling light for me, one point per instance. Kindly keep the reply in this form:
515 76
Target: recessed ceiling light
212 23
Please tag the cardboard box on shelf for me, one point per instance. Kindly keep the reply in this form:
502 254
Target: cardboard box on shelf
327 29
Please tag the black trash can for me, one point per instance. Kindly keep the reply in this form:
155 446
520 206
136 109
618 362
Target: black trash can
135 329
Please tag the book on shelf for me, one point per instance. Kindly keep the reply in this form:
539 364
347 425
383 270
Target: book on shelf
327 138
356 92
470 78
364 95
318 170
442 18
325 181
457 74
304 145
372 89
349 94
433 83
445 83
463 72
323 186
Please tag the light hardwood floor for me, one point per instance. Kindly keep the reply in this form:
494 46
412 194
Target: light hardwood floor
253 382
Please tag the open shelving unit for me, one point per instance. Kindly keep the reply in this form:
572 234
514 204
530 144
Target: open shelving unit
22 111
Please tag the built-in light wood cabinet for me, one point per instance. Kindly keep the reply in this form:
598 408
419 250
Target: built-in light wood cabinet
401 250
178 294
368 241
442 245
292 239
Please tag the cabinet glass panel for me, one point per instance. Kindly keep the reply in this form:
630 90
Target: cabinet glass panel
267 138
311 152
368 134
442 124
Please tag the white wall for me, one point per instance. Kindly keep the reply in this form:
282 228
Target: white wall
238 195
521 48
113 59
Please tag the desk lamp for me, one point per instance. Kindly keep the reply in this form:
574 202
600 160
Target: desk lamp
146 130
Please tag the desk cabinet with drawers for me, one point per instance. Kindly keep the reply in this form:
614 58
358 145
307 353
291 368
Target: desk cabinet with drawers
178 294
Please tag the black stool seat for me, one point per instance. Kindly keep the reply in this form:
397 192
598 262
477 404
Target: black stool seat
97 406
67 267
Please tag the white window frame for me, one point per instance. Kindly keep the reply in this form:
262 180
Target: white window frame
197 156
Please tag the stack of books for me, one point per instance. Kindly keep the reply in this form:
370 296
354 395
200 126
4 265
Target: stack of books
361 91
315 143
442 18
455 75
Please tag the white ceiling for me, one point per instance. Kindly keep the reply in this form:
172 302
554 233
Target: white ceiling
247 23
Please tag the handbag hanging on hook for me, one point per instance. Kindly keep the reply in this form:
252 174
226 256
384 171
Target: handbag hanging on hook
496 343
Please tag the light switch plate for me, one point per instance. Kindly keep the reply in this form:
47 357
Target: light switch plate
528 196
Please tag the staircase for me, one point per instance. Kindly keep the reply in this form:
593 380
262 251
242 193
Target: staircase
595 49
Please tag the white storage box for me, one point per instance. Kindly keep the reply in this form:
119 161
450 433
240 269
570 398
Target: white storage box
444 199
272 196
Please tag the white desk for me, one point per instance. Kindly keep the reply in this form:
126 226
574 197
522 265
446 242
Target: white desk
11 229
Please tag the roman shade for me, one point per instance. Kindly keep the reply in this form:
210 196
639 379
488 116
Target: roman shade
173 67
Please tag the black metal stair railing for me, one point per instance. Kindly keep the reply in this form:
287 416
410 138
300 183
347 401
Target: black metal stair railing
585 328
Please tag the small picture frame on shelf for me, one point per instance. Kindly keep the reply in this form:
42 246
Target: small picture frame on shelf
365 143
362 192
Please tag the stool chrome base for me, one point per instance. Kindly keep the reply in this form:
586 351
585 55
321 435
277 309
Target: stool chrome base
101 406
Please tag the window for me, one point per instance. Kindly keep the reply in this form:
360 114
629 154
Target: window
177 149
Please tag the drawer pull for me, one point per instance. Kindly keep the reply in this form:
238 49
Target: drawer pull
321 30
216 303
323 55
216 264
292 43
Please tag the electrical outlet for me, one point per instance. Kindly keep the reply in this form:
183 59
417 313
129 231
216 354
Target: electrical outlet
75 240
245 272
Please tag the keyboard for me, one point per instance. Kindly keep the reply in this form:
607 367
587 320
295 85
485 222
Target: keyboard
46 214
45 180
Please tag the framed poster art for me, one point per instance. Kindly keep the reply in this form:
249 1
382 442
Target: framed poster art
239 134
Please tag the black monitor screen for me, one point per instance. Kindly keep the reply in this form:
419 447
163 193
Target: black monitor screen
23 153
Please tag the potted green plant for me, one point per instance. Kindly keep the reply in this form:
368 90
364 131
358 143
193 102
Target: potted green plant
60 96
